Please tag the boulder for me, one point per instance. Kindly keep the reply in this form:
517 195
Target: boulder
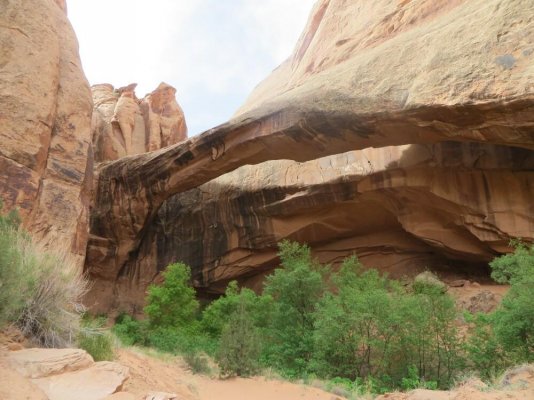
14 386
41 363
94 383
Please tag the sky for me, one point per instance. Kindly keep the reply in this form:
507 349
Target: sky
214 52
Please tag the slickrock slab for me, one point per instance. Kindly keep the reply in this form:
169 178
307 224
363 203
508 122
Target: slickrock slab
121 396
14 386
42 363
160 396
94 383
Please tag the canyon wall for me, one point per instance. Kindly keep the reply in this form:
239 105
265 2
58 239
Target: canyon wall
418 119
45 122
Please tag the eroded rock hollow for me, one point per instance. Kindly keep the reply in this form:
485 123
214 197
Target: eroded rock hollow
403 131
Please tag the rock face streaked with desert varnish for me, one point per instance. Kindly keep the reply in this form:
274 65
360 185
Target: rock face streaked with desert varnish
45 116
124 125
444 90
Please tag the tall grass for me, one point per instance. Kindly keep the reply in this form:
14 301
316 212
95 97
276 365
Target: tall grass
40 288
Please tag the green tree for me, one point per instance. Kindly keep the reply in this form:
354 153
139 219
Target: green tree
513 321
172 304
355 328
430 339
296 289
485 353
240 347
217 315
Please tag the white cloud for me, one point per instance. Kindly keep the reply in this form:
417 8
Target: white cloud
214 52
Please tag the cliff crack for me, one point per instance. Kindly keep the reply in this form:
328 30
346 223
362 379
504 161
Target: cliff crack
17 29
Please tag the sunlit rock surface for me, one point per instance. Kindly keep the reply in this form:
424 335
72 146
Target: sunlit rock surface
124 125
440 94
45 122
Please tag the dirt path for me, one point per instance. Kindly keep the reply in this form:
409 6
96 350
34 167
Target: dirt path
169 374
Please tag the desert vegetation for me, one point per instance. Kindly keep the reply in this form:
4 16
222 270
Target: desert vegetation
354 328
40 288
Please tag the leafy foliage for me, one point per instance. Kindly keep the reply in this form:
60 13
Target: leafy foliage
217 315
296 289
96 339
506 337
239 349
172 304
373 329
130 331
40 288
362 331
513 321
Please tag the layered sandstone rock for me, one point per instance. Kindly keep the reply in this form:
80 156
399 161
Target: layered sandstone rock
45 116
60 374
451 207
444 78
124 125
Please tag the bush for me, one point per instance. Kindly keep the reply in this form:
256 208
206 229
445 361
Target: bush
217 315
485 354
239 349
96 340
296 289
513 321
130 331
376 330
15 281
172 304
199 363
355 329
44 287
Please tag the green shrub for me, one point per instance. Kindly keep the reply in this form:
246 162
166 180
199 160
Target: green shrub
505 337
15 280
413 381
355 329
239 349
180 340
296 289
130 331
97 341
41 288
172 304
199 363
216 316
485 353
373 329
513 320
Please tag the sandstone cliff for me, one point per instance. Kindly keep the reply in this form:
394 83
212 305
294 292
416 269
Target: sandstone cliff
45 122
444 88
124 125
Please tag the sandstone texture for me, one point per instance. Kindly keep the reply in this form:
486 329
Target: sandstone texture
39 363
59 374
45 122
517 384
94 383
427 110
124 125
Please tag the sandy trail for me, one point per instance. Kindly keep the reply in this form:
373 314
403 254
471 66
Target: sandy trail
169 374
